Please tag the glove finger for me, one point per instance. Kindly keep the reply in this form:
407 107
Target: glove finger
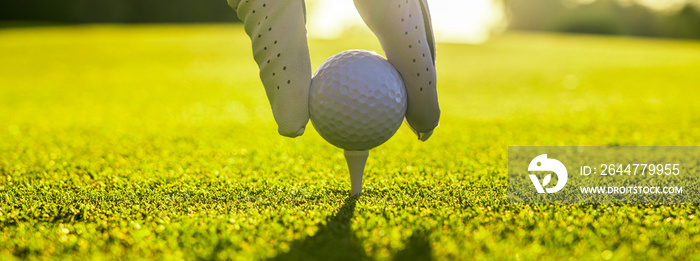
404 30
277 29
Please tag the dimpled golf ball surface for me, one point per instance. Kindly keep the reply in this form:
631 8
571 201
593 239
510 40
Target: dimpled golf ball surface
357 100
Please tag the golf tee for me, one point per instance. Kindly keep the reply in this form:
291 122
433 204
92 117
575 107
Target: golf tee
356 160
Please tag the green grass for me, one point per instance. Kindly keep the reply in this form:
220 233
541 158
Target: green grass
158 142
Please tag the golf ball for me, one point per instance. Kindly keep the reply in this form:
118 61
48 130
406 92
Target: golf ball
357 100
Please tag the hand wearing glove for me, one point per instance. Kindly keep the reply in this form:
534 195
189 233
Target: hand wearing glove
278 33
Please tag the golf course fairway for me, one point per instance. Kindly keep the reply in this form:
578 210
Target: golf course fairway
158 142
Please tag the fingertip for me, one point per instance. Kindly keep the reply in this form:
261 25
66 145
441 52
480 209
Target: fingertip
423 136
291 133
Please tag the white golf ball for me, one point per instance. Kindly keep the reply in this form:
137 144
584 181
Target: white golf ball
357 100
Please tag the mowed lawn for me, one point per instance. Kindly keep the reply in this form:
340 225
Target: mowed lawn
157 142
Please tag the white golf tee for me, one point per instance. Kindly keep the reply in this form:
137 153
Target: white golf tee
356 160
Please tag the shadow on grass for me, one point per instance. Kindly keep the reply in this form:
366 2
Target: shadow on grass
417 248
336 241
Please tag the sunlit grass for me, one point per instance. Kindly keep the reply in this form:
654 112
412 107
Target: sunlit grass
158 142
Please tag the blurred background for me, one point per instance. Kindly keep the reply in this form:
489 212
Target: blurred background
169 122
468 21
